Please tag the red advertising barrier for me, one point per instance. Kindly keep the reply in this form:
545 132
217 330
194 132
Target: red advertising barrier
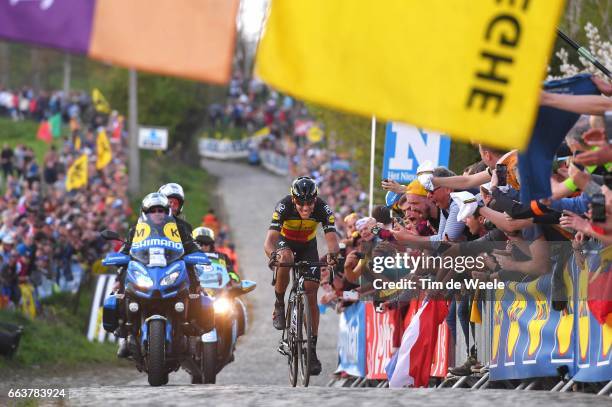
383 334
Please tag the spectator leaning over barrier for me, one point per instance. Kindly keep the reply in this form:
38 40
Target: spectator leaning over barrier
490 157
420 214
356 261
449 228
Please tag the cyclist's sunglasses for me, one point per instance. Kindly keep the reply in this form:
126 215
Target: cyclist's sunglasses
302 202
156 210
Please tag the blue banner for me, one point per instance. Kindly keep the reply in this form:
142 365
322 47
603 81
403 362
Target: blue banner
406 147
531 339
593 347
352 341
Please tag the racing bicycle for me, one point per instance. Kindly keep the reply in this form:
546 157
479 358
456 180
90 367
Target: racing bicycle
296 340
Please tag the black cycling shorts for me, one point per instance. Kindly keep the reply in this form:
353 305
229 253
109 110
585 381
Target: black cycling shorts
303 251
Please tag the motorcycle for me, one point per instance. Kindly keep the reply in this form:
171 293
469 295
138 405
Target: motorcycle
230 314
162 322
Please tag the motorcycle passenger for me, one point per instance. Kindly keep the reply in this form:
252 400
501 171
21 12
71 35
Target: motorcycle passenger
293 230
205 239
176 199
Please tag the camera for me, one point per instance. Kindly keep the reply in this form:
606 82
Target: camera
342 247
399 221
608 180
598 207
502 174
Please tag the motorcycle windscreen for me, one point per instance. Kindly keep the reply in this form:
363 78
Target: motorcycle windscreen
215 275
156 241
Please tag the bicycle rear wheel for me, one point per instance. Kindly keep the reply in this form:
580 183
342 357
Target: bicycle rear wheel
304 338
290 331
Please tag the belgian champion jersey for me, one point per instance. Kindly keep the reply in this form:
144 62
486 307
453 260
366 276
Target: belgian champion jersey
287 221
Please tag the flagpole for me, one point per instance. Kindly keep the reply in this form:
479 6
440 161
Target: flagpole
372 151
5 68
67 72
585 53
134 168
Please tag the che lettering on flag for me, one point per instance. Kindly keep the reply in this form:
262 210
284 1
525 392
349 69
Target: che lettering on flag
471 69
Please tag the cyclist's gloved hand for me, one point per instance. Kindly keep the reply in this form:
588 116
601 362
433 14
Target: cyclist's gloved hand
273 260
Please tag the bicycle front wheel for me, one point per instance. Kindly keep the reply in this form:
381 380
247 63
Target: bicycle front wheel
290 334
304 338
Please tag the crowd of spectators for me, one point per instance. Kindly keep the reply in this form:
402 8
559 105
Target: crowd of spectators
477 213
25 103
46 232
251 105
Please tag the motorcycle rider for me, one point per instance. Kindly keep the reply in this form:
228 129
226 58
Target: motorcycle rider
293 231
153 202
205 238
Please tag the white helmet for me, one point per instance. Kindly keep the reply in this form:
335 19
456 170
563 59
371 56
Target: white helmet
204 236
203 231
173 190
154 199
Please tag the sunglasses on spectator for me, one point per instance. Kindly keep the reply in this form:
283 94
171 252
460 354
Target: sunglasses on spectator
300 202
156 210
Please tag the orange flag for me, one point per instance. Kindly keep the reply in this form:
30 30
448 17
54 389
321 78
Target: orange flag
189 38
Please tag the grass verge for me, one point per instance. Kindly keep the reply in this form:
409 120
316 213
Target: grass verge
159 169
57 336
24 132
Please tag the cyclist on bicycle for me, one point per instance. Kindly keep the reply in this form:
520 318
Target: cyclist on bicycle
293 231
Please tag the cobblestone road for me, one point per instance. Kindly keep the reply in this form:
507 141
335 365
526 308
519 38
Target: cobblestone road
259 374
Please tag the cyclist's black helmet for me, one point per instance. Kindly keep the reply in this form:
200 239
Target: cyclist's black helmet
304 189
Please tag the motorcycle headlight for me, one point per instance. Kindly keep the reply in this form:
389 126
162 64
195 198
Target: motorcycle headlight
169 279
143 281
222 306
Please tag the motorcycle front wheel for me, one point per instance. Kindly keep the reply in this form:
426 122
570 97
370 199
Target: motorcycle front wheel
208 362
158 375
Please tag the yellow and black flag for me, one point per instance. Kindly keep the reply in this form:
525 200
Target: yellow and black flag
103 148
99 101
471 69
77 174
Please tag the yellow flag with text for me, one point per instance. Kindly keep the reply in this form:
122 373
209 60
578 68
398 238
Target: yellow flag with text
103 149
471 69
77 174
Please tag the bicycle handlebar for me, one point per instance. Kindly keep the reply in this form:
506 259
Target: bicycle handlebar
303 263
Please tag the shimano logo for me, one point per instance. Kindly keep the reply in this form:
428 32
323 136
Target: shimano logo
158 242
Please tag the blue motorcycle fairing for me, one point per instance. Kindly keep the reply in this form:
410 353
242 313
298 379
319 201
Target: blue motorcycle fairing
156 274
116 259
196 258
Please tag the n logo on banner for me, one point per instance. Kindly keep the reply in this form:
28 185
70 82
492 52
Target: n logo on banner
407 146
